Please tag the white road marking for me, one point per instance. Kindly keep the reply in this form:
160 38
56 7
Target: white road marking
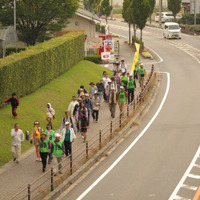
194 176
132 144
189 187
180 198
198 166
173 195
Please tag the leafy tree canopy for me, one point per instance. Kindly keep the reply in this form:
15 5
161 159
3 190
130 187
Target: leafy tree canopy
174 6
37 19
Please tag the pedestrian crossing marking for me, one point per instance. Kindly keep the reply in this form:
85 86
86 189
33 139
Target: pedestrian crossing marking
194 176
189 187
180 198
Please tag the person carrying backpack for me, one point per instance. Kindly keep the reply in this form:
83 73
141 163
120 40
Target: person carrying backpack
69 119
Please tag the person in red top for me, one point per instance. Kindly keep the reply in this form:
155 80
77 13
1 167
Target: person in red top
14 103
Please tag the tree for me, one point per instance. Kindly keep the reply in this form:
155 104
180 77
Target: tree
152 6
106 8
140 11
37 20
92 5
174 6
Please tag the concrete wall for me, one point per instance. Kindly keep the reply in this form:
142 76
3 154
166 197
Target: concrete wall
80 23
164 3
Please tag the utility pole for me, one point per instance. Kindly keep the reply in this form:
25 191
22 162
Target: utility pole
15 29
195 13
112 9
160 12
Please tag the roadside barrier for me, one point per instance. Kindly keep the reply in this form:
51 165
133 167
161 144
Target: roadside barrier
47 182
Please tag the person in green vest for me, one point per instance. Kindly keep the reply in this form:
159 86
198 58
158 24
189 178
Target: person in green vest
45 147
122 100
58 150
124 81
131 89
141 73
50 134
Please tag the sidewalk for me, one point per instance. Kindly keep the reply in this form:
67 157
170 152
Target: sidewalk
14 177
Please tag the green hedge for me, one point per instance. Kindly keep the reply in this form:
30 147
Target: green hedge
11 50
27 71
94 58
103 29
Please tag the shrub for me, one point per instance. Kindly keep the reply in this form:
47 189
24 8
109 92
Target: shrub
189 18
10 50
137 40
27 71
103 28
94 58
98 27
195 28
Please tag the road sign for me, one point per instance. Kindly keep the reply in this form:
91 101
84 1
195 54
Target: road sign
105 56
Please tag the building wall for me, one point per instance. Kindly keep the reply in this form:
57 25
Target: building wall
164 3
197 6
80 23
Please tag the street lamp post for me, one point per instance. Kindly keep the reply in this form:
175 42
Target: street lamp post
160 12
15 29
195 13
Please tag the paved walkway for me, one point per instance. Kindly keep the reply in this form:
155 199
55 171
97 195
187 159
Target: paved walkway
14 177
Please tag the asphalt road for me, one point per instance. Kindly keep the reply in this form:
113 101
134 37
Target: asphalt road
154 166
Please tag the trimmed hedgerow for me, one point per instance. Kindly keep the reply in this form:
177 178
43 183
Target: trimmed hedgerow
27 71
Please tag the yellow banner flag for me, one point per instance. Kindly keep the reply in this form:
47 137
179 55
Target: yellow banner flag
136 57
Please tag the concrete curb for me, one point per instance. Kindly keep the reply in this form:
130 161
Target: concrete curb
113 143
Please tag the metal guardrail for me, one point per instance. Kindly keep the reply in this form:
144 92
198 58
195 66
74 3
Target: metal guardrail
47 182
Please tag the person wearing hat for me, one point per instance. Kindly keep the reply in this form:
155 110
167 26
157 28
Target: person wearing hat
93 89
124 81
136 71
123 66
68 118
141 73
95 107
57 150
117 81
100 87
131 89
81 89
82 94
114 68
122 100
17 138
113 83
35 138
68 136
112 102
88 105
51 135
45 149
107 91
71 106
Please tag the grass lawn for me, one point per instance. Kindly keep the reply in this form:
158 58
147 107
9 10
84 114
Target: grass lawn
33 107
117 11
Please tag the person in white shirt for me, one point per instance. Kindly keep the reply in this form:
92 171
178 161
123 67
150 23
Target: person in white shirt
123 66
106 79
72 105
17 138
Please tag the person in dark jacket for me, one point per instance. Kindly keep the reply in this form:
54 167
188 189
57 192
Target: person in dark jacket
14 103
100 87
84 126
81 89
88 105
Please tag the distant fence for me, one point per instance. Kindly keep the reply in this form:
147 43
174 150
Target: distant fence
47 182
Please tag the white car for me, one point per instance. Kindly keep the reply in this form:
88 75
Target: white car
166 17
171 30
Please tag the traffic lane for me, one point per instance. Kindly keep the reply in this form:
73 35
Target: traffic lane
164 153
167 148
103 166
188 39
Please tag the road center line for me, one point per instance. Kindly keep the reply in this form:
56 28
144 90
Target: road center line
132 144
185 175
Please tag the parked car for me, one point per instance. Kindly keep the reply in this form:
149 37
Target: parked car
166 17
171 30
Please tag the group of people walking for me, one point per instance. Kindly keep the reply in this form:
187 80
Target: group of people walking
51 145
